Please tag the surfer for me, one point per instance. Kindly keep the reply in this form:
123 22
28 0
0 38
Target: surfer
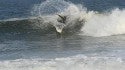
62 23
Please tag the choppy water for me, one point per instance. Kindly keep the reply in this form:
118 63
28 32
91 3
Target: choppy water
92 37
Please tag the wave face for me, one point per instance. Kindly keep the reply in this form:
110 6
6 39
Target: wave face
23 26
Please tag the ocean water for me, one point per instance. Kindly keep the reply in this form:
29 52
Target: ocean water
92 37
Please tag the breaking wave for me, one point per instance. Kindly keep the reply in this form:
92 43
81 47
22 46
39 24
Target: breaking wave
79 19
105 24
78 62
95 24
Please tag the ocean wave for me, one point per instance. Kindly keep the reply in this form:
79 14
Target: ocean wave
79 20
78 62
95 23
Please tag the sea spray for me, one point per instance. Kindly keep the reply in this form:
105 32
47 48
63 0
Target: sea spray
95 23
48 11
